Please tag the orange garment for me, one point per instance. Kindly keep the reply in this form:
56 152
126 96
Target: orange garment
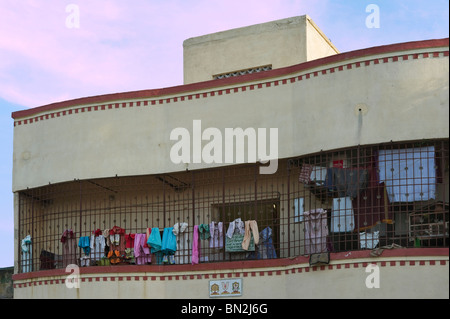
114 256
250 225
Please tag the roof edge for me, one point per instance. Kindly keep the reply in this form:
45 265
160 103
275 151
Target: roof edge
151 93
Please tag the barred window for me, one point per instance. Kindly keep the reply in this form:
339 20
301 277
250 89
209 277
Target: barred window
363 197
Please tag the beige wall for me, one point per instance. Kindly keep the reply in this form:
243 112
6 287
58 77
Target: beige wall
399 278
402 100
278 43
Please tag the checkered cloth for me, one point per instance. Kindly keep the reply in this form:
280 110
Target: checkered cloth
305 173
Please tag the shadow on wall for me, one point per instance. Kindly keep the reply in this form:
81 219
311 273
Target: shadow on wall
6 283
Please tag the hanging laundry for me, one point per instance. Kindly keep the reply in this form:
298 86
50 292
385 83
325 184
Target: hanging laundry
342 215
312 175
97 232
203 230
251 230
236 226
85 261
154 240
266 249
372 205
195 246
84 243
346 181
129 240
169 241
147 233
69 247
114 257
117 230
26 261
305 174
105 234
216 233
316 231
97 244
368 240
128 256
180 230
235 236
318 175
141 250
129 248
117 239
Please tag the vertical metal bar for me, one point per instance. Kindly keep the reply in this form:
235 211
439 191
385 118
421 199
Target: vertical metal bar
80 213
289 208
444 152
256 190
33 239
164 201
193 209
20 230
222 217
355 245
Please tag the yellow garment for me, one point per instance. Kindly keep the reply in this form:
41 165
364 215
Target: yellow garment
250 225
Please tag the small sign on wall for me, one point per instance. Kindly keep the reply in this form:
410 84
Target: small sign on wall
225 287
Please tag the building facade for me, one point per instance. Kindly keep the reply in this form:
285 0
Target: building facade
335 184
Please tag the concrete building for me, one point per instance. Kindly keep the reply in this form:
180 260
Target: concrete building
281 168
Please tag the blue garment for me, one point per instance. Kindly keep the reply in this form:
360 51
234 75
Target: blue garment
154 240
330 182
266 249
169 241
84 243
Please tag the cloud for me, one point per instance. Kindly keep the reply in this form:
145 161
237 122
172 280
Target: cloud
117 47
121 46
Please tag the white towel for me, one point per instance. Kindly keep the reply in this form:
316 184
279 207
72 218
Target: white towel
368 240
342 216
318 175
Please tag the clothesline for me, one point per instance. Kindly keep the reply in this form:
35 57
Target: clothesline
117 245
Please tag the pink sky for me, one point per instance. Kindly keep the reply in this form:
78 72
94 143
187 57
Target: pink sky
117 47
122 47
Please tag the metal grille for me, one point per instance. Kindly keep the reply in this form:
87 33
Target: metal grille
343 200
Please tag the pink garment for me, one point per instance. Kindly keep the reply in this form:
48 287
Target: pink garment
141 250
69 247
195 246
316 231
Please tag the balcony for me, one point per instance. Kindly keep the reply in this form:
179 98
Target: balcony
363 198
